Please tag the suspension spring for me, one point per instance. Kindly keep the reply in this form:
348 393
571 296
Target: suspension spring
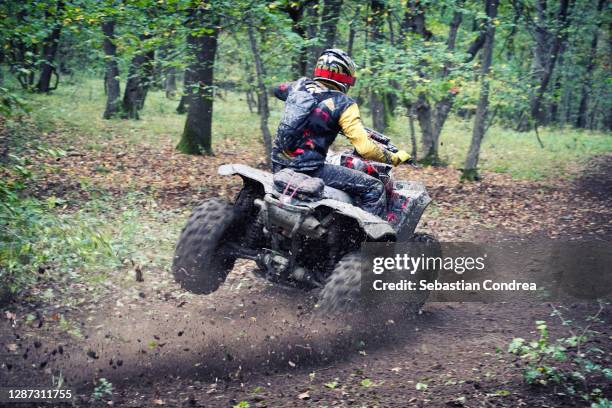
255 232
334 250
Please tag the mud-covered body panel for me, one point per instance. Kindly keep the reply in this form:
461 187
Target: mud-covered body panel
412 195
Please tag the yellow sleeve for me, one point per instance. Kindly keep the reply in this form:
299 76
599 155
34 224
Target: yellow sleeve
353 129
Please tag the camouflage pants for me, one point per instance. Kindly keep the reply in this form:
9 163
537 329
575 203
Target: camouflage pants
369 192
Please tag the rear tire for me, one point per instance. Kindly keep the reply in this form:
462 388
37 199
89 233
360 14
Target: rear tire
200 264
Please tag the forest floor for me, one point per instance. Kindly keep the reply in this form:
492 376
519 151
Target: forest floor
254 345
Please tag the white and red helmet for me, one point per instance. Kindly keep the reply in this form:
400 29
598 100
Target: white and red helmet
335 66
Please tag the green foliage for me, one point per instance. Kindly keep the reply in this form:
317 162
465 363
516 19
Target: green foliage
75 107
10 103
566 361
33 236
47 243
103 389
367 383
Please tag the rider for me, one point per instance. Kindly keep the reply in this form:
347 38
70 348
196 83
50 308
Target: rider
334 73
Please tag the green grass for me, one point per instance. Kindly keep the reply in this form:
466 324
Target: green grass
79 104
517 153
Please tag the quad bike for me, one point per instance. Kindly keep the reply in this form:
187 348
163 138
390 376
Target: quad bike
299 232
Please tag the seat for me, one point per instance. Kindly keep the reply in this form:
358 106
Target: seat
298 185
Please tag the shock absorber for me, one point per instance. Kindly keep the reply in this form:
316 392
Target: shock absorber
255 232
334 250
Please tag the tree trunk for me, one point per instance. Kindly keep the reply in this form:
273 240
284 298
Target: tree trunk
444 106
139 78
168 71
170 82
50 45
587 85
295 11
413 140
377 97
423 112
262 95
546 54
197 134
470 171
414 21
352 32
312 24
330 21
111 70
187 90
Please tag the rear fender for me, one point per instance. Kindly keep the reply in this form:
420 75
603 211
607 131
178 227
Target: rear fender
249 175
375 228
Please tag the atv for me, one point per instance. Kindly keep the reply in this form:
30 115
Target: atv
298 231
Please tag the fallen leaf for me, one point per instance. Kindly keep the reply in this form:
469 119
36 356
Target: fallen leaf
421 386
366 382
304 395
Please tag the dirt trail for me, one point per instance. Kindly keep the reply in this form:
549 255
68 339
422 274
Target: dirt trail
264 345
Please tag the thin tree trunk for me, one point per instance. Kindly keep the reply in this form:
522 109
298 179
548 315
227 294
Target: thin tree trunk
414 21
111 74
554 104
377 98
413 140
170 82
197 134
351 38
587 85
329 23
470 170
444 106
187 91
295 10
21 55
423 113
262 95
168 71
312 24
50 45
138 82
547 57
251 102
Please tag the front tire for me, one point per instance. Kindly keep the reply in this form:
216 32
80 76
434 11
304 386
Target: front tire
342 292
343 287
200 262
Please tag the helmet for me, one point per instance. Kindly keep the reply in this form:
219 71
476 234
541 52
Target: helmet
336 67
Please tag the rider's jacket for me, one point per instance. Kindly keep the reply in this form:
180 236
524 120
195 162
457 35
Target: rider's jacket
334 112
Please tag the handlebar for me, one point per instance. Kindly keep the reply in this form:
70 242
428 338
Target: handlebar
382 139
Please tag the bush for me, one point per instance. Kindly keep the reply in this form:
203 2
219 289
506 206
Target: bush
35 237
566 361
